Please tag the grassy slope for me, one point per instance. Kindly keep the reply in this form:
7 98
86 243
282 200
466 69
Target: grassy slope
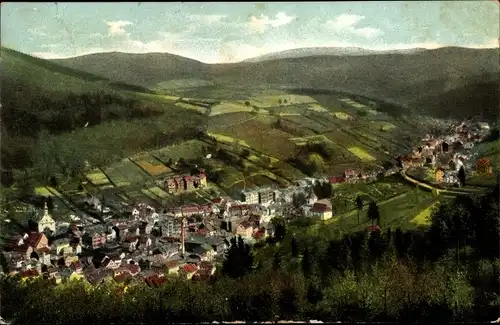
399 78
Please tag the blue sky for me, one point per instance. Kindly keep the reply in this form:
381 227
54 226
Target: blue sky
230 32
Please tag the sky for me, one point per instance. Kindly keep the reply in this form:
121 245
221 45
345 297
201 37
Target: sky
223 32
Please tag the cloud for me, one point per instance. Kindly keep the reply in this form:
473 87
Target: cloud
38 32
116 28
207 19
346 23
260 24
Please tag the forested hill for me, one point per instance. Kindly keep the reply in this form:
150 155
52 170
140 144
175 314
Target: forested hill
39 95
438 82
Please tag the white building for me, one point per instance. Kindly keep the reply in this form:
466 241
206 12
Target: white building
46 221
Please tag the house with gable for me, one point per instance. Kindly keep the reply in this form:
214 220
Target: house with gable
322 210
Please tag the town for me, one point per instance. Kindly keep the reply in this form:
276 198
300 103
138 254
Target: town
144 244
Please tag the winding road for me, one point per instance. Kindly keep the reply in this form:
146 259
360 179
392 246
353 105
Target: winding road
436 190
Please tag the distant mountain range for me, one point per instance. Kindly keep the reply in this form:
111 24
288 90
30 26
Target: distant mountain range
323 51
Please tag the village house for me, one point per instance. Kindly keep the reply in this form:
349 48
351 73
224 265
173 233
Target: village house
250 196
439 175
322 210
188 270
484 167
244 229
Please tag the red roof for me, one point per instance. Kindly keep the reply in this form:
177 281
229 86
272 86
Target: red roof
134 268
76 265
29 273
258 234
172 264
217 200
337 179
34 238
155 280
131 239
320 208
190 268
246 224
372 228
122 277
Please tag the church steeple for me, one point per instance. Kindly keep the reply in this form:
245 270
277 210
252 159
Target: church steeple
45 209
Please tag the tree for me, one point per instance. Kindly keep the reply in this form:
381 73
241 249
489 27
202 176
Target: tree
359 205
279 230
295 247
461 176
50 203
284 101
53 181
247 103
245 153
277 260
373 213
306 263
280 101
7 178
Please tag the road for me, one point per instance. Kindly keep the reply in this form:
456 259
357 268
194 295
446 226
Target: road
435 189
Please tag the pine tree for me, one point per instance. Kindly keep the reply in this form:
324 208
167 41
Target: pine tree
373 213
295 247
306 263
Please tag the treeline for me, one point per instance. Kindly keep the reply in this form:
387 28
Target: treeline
27 110
310 157
449 272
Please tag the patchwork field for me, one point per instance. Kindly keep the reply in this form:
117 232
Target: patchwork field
187 150
423 217
383 126
228 139
306 122
316 107
125 173
266 101
342 116
302 141
191 107
97 178
257 135
361 154
151 165
230 107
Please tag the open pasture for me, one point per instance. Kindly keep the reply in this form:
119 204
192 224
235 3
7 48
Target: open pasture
307 122
383 126
191 107
190 149
342 116
228 139
266 101
225 120
361 154
226 107
97 178
317 108
126 172
288 110
301 141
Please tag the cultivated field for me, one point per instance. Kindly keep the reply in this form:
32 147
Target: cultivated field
125 173
342 116
230 107
151 165
361 154
261 137
97 178
302 141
